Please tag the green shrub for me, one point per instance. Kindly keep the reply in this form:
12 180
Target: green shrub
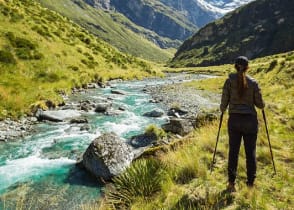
37 55
47 76
272 65
142 179
7 57
154 130
23 53
43 31
15 16
19 42
74 68
53 77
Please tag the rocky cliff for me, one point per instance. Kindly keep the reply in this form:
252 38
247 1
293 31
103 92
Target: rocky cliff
102 4
261 28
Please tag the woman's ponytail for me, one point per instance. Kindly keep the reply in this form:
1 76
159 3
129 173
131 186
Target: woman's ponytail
241 65
242 83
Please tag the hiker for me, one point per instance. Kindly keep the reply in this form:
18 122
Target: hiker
242 94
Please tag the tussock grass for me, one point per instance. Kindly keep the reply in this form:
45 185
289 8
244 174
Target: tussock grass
188 183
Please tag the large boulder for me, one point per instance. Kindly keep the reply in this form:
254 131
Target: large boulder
107 156
178 126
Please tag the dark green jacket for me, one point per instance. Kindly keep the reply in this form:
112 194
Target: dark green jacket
246 105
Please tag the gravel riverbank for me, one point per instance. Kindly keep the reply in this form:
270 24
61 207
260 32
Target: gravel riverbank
13 129
184 97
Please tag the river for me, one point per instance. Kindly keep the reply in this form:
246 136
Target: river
39 172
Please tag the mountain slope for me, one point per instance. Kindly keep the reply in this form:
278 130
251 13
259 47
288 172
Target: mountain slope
201 12
43 54
260 28
158 17
115 29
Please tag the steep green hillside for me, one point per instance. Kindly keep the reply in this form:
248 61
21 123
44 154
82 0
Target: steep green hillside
43 54
261 28
178 176
115 29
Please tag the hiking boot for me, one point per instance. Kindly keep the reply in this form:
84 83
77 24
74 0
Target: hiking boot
231 187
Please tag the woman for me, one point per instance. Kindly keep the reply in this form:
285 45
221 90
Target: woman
242 94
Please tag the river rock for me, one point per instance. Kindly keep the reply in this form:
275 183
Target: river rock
92 86
204 118
56 116
107 156
178 126
142 140
154 113
85 128
102 107
176 112
79 120
119 92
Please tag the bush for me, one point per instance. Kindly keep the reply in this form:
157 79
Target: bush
7 57
19 42
272 65
142 179
154 130
74 68
23 53
48 77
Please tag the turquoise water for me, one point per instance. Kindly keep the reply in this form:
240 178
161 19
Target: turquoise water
40 169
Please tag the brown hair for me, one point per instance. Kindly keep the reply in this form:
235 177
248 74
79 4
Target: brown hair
242 81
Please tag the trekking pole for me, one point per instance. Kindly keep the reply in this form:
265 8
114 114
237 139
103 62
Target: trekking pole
268 138
219 127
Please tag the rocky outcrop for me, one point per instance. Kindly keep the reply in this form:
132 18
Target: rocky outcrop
107 156
178 126
102 4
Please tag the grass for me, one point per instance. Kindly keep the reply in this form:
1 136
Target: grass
187 182
43 53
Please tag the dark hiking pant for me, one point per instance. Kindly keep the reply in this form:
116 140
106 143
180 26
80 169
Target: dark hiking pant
246 126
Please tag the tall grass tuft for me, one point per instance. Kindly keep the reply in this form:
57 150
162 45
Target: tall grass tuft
142 180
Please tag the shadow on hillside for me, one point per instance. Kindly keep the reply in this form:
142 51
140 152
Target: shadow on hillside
209 201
